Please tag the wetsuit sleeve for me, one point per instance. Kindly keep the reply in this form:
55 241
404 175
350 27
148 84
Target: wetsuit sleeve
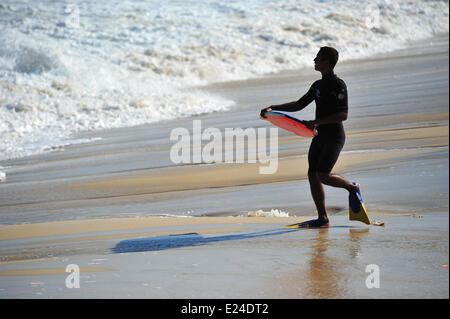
300 104
341 97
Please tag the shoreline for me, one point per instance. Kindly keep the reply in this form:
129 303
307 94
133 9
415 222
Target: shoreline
219 87
367 150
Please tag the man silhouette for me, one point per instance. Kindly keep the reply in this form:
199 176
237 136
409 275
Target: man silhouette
330 95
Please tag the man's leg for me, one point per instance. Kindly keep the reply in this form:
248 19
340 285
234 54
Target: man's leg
336 181
318 194
317 191
329 156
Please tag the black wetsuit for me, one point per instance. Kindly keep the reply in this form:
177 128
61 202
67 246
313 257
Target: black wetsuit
330 95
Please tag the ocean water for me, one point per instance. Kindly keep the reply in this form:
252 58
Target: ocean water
70 66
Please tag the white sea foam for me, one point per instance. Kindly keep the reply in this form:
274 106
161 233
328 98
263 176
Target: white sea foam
272 213
184 215
130 63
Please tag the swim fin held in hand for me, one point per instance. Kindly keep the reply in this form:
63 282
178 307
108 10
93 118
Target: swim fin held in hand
357 210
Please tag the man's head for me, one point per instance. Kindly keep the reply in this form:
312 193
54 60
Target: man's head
326 59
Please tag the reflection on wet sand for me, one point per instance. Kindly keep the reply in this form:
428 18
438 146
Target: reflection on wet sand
329 275
329 269
325 280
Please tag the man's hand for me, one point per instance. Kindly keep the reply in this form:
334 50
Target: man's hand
311 125
263 112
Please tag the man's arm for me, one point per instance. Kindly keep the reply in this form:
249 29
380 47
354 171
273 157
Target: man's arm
334 118
292 106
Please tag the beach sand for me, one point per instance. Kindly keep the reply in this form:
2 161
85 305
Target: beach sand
140 226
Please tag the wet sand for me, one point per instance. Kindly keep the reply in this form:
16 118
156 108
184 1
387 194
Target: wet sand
99 205
257 259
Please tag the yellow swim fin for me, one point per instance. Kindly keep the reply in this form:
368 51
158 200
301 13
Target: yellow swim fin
357 210
314 223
